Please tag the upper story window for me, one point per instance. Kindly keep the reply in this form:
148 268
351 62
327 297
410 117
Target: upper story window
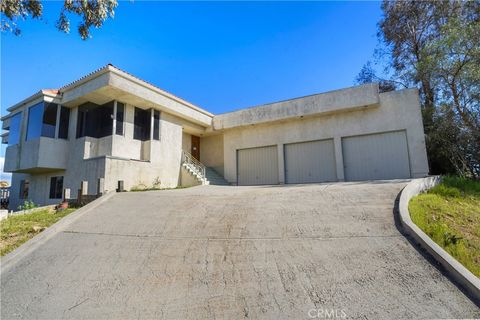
42 120
119 118
94 120
156 125
142 123
34 124
14 129
64 121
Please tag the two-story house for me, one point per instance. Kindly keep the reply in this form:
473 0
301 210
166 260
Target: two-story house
112 125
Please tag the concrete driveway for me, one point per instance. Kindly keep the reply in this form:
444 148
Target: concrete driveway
234 252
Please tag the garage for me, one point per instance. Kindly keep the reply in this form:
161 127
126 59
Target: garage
256 166
376 156
309 162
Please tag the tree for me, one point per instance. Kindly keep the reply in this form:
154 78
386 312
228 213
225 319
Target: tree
434 45
368 75
92 13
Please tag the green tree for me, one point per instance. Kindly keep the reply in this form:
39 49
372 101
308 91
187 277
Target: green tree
434 46
92 13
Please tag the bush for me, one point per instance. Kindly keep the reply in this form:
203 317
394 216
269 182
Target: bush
456 187
27 205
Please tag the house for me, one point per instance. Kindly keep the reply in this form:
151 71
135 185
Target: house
112 125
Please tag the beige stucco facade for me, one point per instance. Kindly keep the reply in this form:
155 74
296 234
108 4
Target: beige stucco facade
396 110
119 157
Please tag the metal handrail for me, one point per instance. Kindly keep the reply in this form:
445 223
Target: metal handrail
194 163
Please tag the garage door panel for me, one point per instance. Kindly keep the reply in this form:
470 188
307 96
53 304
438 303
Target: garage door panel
376 156
310 162
256 166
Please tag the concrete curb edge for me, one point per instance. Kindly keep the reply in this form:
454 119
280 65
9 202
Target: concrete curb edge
12 258
467 280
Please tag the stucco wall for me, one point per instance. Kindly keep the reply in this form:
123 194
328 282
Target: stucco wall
113 158
39 189
124 145
398 110
186 179
211 152
187 142
164 159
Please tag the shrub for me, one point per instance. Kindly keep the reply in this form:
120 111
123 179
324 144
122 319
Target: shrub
455 187
27 205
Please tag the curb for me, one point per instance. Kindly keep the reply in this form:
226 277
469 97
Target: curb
467 280
11 259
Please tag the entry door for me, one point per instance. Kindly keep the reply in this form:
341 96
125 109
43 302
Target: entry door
195 147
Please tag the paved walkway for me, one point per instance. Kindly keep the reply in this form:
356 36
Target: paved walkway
234 252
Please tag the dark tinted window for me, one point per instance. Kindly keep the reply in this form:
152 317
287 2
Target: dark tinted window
141 130
42 119
63 126
24 186
56 187
119 124
14 129
49 120
94 120
156 125
34 124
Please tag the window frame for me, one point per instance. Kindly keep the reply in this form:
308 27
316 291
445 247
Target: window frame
23 192
117 122
95 121
63 134
56 193
140 132
156 125
32 133
19 116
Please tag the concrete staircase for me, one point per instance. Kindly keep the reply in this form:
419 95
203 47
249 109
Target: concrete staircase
192 170
204 175
214 178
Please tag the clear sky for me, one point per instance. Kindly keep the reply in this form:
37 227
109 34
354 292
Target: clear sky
221 56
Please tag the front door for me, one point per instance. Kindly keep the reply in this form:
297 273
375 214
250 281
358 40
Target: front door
196 147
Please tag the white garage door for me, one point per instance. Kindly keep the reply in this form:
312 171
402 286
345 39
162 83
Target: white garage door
312 161
257 166
376 156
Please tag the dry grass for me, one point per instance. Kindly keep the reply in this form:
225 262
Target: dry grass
17 229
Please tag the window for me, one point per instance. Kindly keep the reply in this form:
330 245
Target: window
94 120
156 125
42 119
14 129
49 120
24 186
56 187
34 125
119 117
64 119
142 124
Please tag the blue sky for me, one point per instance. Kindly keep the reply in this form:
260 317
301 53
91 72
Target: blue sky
221 56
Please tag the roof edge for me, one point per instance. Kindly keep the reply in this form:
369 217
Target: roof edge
111 68
53 93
